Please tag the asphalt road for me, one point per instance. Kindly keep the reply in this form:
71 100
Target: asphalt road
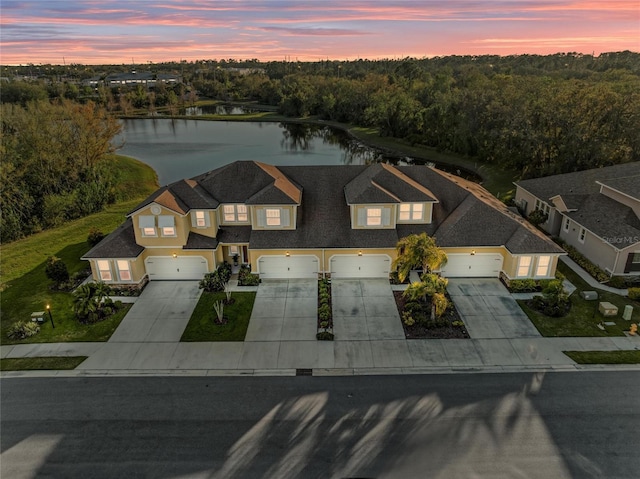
547 425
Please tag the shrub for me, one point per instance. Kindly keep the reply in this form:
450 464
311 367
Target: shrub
619 282
457 324
324 336
434 282
324 312
634 293
441 304
537 217
23 329
56 270
324 296
597 273
413 307
95 236
407 319
215 281
246 278
523 286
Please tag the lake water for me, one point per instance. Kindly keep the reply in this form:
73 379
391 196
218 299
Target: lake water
184 148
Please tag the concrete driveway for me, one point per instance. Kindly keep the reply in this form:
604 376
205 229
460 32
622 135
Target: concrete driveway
160 314
364 309
284 310
488 309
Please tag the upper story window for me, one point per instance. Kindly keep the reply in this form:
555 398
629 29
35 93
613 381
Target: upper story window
273 216
411 212
147 225
235 213
524 266
567 223
201 221
374 217
167 225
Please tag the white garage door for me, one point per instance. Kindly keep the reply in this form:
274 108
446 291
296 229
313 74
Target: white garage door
365 266
182 267
472 266
284 267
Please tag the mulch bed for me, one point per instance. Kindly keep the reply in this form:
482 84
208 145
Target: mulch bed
420 331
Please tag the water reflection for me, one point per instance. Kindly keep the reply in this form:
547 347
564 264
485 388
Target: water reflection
217 110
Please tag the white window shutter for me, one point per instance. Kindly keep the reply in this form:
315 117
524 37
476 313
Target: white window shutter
285 217
362 217
194 220
262 217
386 216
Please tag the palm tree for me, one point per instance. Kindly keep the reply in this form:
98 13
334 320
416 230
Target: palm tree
84 302
418 251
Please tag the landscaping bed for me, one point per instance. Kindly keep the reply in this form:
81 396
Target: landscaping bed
448 326
325 311
202 325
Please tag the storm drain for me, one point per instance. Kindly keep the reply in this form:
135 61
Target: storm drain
304 372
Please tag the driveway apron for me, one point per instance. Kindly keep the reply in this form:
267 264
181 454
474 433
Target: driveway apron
284 310
160 314
364 309
488 309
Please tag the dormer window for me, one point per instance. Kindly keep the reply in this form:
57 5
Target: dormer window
200 221
273 216
167 225
235 214
374 216
411 212
147 224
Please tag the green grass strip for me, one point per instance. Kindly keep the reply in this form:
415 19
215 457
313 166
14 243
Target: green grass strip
605 357
43 363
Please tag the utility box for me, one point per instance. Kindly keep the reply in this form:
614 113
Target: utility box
589 295
38 317
628 311
608 309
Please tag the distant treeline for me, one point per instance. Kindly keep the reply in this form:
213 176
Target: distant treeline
54 164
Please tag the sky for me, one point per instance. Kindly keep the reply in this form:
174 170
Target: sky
141 31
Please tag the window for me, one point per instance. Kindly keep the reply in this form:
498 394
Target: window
201 222
273 217
124 270
167 225
524 265
104 270
233 250
583 235
544 263
374 216
148 225
411 211
567 223
235 213
636 258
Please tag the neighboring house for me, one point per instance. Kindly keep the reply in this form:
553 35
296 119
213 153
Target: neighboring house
596 211
302 221
146 79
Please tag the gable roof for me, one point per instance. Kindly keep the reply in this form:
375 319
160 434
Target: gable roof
382 183
121 243
628 185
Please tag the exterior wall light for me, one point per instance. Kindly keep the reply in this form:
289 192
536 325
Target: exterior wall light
287 254
359 253
175 255
473 252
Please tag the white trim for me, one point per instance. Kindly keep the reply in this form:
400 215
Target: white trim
582 234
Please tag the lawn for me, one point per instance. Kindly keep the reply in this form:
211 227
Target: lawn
584 317
202 327
605 357
43 363
25 287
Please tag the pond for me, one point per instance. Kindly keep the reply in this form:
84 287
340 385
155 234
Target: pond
184 148
217 110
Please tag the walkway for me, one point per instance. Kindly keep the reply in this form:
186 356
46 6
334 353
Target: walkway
589 279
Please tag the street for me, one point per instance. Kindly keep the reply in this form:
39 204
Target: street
524 425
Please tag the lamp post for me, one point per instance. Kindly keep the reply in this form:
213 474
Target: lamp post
50 317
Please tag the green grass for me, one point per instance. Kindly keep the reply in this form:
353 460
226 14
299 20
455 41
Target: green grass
605 357
583 318
25 287
201 326
43 363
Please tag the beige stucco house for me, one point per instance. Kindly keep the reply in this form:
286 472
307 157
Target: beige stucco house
306 221
597 211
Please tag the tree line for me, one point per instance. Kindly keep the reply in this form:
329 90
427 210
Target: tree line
54 164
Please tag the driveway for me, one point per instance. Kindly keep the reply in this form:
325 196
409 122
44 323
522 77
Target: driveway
364 309
160 314
488 309
284 310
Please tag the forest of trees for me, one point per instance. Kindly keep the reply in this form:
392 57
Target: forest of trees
536 115
54 164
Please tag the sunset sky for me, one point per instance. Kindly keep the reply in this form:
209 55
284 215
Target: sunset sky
122 31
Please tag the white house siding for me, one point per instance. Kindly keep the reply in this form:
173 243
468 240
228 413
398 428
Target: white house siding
594 248
552 225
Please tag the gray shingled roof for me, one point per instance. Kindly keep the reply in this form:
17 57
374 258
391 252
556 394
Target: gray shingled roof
234 234
121 243
198 241
581 182
616 223
629 185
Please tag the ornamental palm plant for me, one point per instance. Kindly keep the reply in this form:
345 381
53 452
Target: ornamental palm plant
418 251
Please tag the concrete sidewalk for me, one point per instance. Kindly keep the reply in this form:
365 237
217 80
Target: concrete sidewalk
589 279
389 356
